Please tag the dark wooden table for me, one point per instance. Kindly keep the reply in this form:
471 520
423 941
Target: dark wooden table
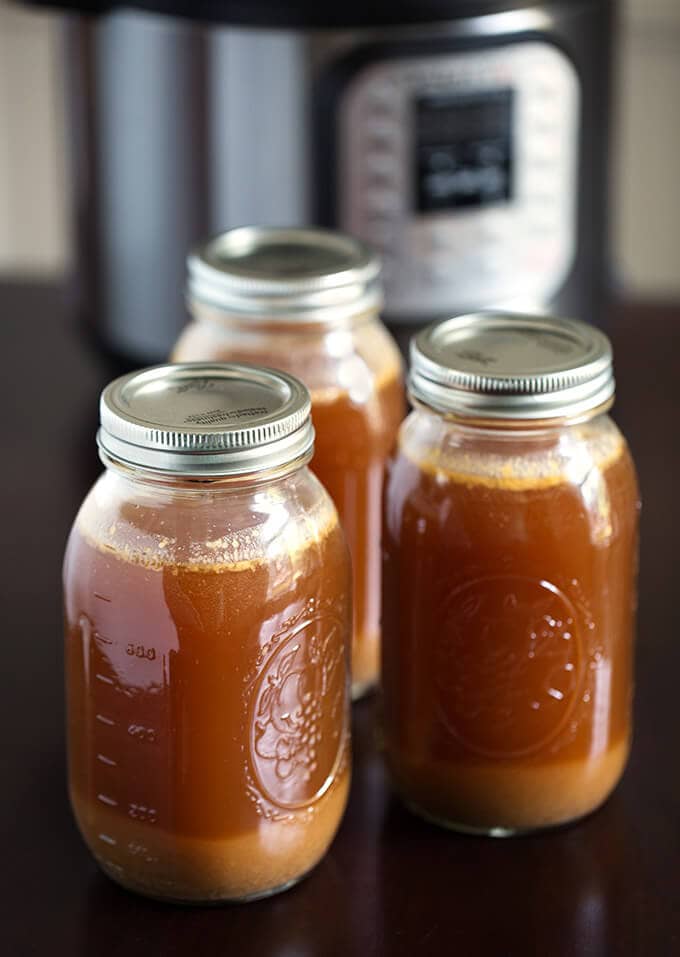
391 885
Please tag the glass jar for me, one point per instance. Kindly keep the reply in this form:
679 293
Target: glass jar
207 604
510 562
307 301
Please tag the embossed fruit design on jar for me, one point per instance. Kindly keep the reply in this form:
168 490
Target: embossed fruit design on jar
300 688
207 599
510 559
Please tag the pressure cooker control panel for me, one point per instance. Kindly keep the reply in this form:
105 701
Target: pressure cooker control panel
461 169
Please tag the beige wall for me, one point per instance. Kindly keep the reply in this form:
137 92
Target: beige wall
33 203
647 153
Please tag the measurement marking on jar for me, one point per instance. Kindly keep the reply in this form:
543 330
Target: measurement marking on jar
140 812
105 720
103 639
107 839
101 597
142 733
105 760
105 679
141 850
105 799
141 651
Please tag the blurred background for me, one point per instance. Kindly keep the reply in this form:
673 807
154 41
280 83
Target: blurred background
36 228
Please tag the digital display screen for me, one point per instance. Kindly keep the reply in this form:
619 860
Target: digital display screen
464 150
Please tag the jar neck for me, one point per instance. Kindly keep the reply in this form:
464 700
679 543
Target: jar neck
252 325
200 484
524 429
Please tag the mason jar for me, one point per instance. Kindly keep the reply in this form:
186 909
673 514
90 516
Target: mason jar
208 620
308 301
510 560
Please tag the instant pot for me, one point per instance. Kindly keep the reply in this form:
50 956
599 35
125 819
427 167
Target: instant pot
466 141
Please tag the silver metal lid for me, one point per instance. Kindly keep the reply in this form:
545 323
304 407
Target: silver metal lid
312 275
206 419
493 365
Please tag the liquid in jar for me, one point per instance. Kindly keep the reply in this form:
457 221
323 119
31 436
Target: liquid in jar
520 583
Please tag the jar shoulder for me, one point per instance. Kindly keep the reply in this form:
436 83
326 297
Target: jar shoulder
514 460
362 357
161 525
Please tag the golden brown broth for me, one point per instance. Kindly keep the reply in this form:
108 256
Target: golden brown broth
509 597
352 445
208 747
